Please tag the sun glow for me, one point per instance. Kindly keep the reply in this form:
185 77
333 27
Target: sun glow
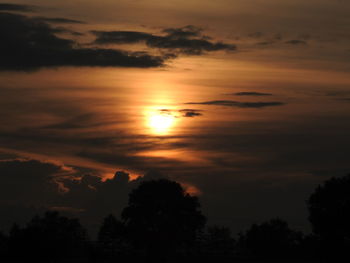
161 122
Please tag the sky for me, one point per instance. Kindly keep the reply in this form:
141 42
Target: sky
245 103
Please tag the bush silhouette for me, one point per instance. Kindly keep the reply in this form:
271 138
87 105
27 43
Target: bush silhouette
3 244
162 218
272 239
49 237
218 241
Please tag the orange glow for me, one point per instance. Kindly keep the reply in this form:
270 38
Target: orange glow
160 122
191 189
132 176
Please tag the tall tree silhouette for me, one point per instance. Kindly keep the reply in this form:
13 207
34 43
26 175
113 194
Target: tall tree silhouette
162 218
329 215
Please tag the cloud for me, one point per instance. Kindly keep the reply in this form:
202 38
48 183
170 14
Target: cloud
182 113
26 181
190 113
16 7
184 32
251 94
120 37
273 39
186 40
265 43
29 44
296 42
232 103
85 120
59 20
344 99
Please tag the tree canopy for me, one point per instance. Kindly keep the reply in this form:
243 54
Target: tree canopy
329 208
161 216
329 215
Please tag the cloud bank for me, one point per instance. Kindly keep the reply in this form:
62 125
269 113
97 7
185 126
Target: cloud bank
16 7
30 43
186 40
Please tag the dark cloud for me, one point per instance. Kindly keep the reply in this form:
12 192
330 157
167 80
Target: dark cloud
16 7
182 113
184 32
29 182
265 43
344 99
186 40
190 113
232 103
252 94
121 37
59 20
278 36
275 39
29 44
296 42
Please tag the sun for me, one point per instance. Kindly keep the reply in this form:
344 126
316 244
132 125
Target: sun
161 122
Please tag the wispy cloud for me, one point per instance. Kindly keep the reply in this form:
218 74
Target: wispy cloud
238 104
296 42
251 94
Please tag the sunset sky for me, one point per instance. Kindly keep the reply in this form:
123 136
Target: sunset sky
246 103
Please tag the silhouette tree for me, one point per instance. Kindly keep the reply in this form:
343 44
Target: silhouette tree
329 215
162 218
3 245
16 243
48 238
272 239
112 236
218 241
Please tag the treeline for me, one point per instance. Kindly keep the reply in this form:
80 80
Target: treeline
163 223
